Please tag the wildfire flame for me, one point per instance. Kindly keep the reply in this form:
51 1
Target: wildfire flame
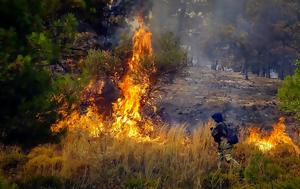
126 118
134 86
270 141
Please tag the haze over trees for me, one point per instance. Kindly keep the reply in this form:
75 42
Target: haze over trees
247 35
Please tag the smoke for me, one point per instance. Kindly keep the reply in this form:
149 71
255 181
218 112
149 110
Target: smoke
195 21
213 30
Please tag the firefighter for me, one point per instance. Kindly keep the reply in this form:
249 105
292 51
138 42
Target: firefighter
225 136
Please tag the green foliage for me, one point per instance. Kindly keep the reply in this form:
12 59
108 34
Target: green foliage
265 171
70 86
289 93
32 37
9 42
49 182
135 183
50 45
261 169
63 31
25 92
169 55
5 184
12 161
101 62
42 45
220 180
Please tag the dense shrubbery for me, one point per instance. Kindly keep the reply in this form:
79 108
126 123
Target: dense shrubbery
4 184
289 93
35 37
32 37
270 171
169 56
100 62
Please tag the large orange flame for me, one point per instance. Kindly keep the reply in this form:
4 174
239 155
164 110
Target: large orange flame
134 86
126 119
270 141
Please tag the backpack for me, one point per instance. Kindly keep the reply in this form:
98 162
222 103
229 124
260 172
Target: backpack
214 132
219 131
232 135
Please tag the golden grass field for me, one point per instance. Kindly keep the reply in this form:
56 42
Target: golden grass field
174 160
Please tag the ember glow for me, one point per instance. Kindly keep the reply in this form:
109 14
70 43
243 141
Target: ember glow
126 118
270 141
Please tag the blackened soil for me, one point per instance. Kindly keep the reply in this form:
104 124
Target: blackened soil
198 92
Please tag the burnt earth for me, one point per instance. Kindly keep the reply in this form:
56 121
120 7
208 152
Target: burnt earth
198 92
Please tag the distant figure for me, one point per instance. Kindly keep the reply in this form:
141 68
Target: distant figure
225 136
214 66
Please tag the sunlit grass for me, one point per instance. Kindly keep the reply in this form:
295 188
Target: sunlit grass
175 159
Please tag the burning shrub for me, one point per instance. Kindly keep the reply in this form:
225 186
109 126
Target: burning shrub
277 137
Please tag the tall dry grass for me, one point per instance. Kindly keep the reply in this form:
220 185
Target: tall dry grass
172 160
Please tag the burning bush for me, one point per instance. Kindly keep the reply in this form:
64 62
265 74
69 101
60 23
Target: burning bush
126 118
276 137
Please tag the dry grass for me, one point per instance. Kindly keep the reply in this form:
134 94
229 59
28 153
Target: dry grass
174 160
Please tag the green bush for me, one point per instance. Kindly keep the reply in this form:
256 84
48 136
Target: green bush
100 62
50 45
135 183
49 182
220 180
289 93
140 183
169 56
32 37
262 169
5 184
268 171
24 96
12 161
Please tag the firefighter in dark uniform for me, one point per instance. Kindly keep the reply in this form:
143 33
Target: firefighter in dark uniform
220 134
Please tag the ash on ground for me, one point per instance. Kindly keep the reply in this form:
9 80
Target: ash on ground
199 91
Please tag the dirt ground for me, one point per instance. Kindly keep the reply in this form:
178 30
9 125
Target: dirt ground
197 92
